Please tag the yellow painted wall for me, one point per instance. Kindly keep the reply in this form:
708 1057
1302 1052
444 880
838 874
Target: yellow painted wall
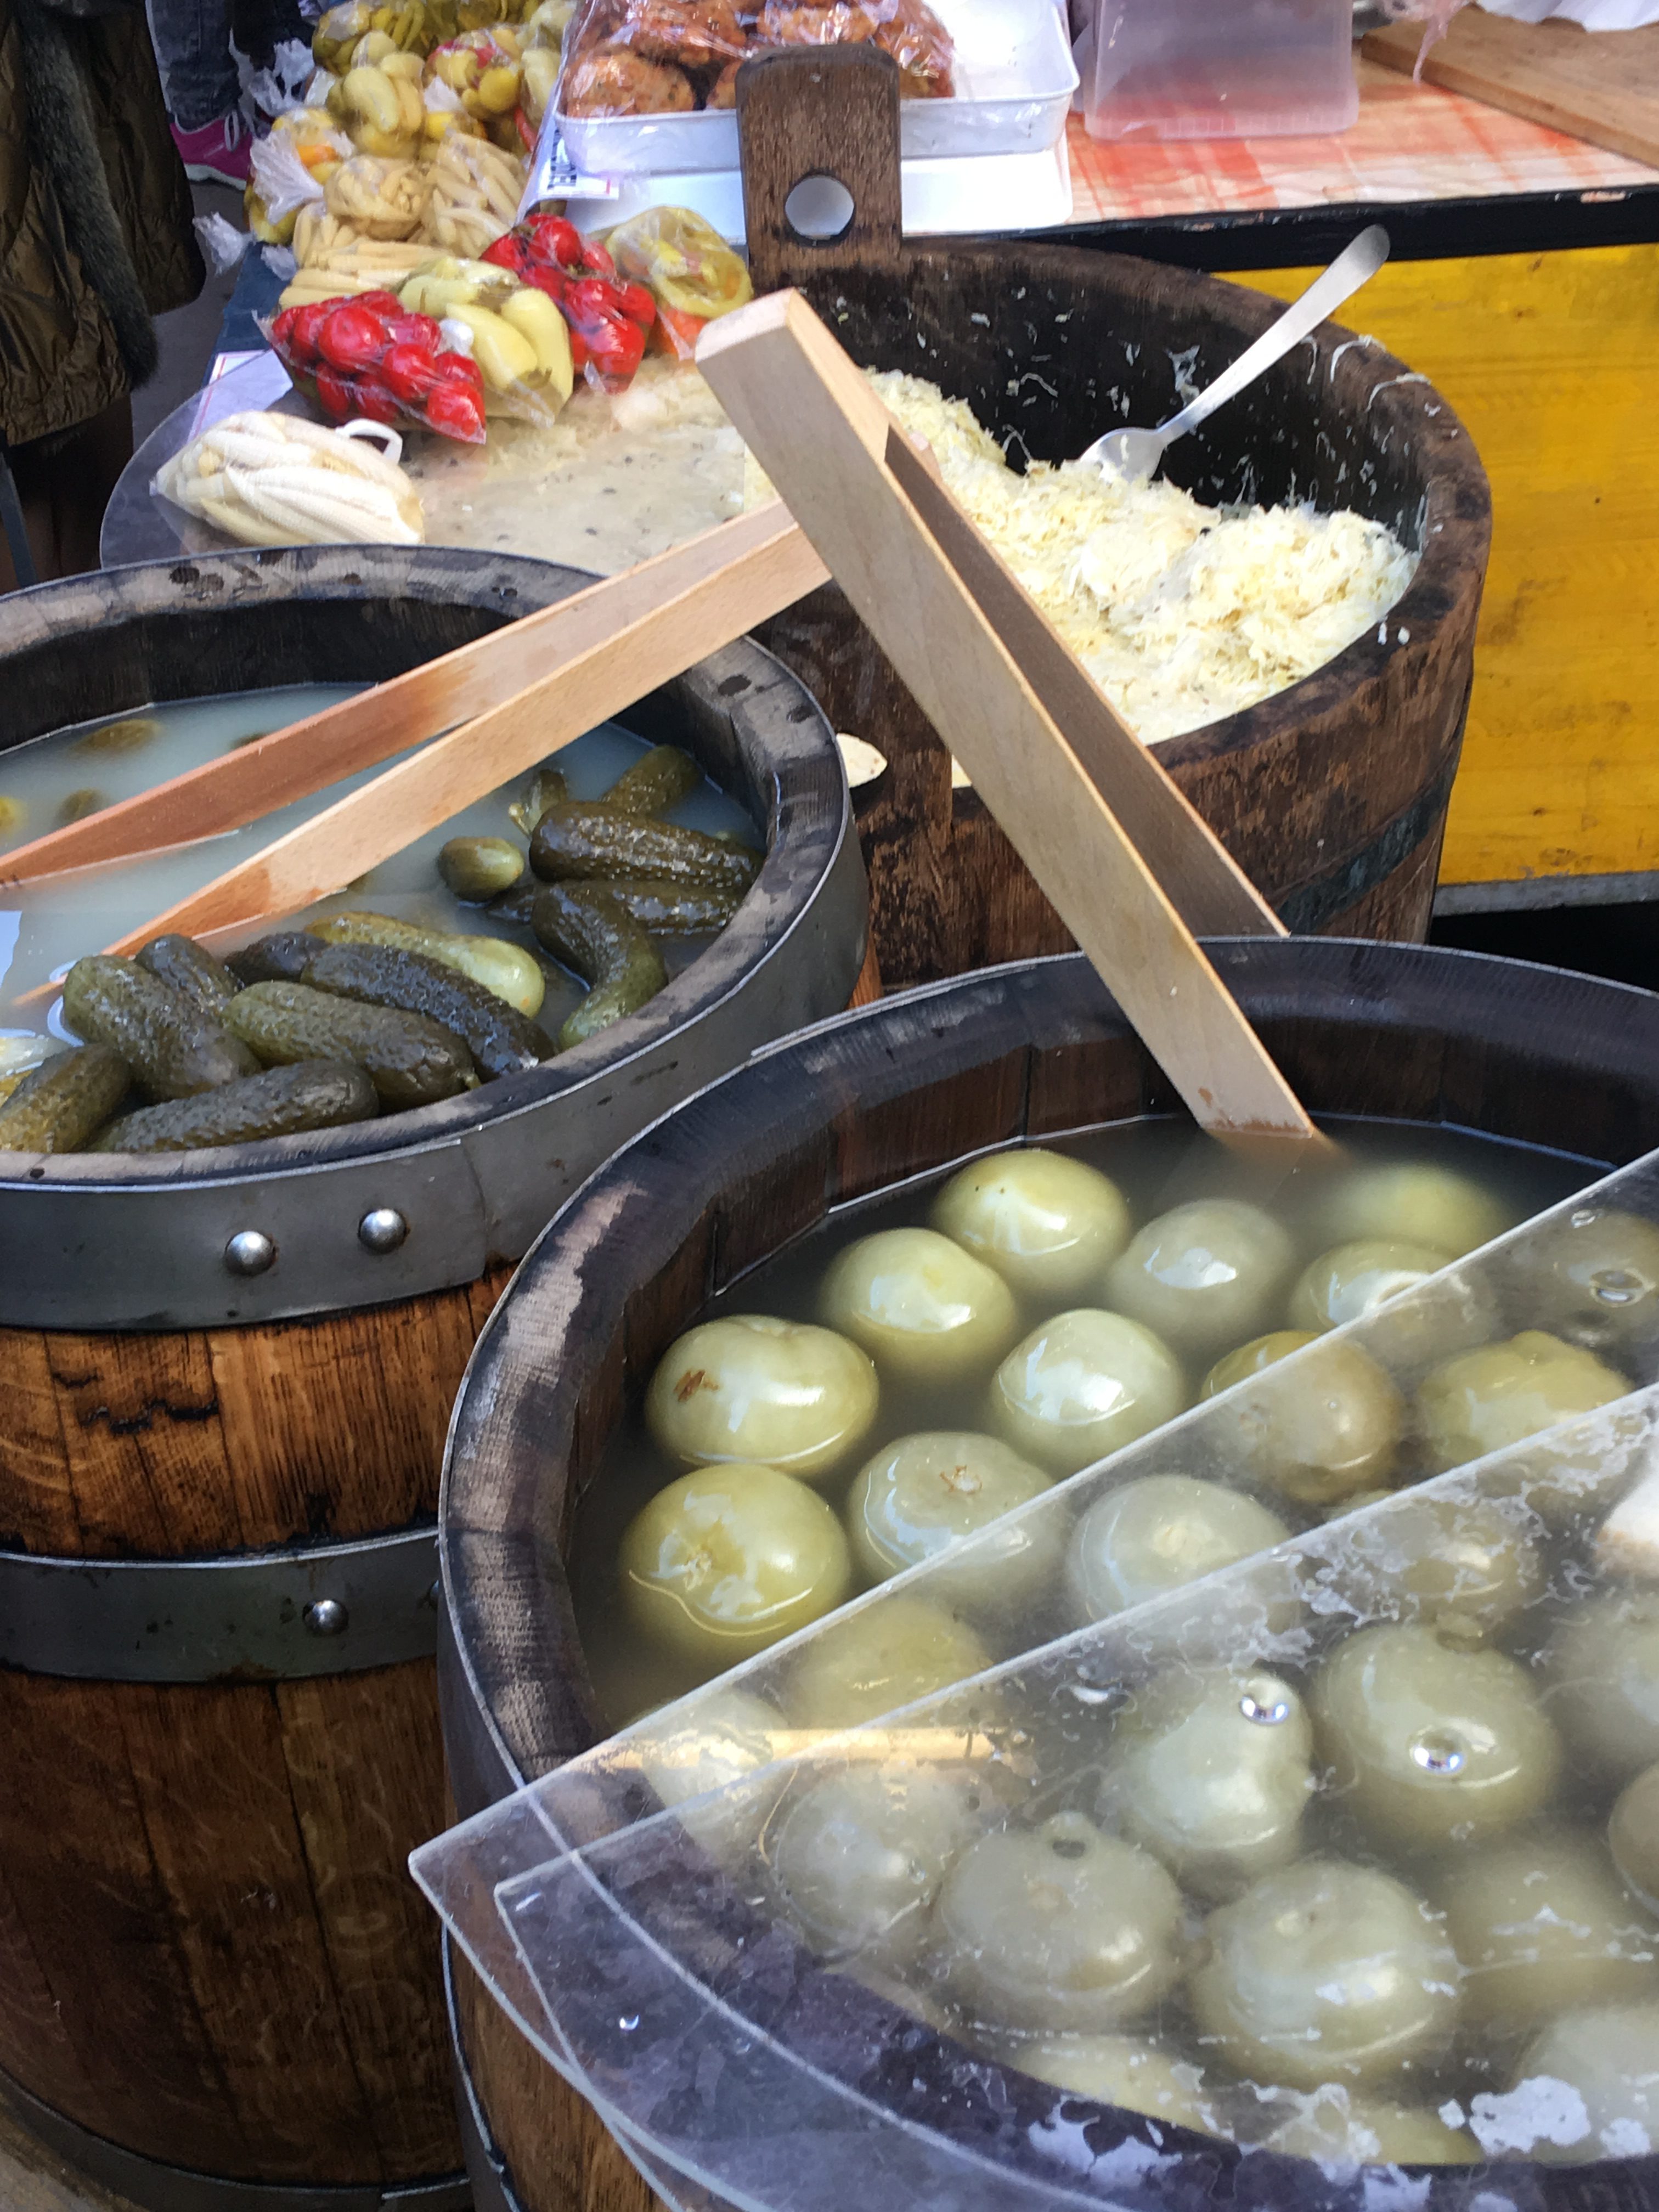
1553 361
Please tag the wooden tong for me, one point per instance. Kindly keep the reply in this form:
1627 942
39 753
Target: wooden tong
992 675
598 651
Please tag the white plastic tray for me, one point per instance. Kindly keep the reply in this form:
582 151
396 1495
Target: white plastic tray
1029 190
1014 74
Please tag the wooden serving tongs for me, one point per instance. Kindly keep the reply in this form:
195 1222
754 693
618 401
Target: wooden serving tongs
1134 872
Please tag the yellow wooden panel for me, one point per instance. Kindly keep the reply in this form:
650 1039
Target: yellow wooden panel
1553 361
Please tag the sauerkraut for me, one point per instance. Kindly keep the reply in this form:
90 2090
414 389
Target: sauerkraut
1181 613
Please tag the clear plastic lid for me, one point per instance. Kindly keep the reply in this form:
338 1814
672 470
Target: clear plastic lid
1000 1888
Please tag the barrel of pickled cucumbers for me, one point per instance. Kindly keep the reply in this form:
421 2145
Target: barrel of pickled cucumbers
229 1377
1528 1082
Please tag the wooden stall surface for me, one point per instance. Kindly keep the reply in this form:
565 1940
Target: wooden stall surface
1552 360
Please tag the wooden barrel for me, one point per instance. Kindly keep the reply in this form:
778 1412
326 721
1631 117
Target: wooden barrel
227 1378
897 1091
1332 794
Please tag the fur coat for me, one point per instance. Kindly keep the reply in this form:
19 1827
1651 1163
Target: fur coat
96 232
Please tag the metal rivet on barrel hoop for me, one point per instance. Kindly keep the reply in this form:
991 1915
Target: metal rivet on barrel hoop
326 1616
250 1252
383 1229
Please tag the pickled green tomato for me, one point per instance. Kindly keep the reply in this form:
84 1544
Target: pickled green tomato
1049 1226
728 1559
1607 2056
921 1495
1337 2129
1541 1922
1593 1276
1482 1402
773 1393
1058 1926
724 1737
1351 1280
1210 1772
1322 1972
924 1310
1467 1566
875 1661
1084 1384
1255 1358
858 1858
1326 1428
1416 1203
1124 2071
1154 1534
1603 1669
1633 1837
1431 1743
1202 1275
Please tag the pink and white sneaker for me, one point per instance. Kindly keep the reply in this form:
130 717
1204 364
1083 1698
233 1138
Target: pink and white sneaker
219 153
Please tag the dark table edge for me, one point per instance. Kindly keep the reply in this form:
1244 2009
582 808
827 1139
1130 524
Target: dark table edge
1420 230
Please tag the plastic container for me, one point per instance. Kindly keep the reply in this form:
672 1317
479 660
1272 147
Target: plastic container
1217 69
1014 82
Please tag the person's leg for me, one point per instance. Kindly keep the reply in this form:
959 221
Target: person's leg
198 71
64 485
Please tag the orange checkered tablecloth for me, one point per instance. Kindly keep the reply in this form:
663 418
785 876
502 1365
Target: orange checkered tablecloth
1412 142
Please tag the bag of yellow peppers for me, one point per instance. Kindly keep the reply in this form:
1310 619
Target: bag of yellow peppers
688 269
518 338
319 147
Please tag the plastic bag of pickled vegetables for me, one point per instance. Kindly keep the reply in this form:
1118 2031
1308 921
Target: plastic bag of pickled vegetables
671 57
1211 1807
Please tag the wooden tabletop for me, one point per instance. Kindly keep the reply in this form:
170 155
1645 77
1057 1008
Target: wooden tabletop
1448 174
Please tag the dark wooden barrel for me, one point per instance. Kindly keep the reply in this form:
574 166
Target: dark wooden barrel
898 1090
218 1570
1332 795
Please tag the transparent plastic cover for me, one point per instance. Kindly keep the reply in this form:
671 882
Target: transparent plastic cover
1348 1851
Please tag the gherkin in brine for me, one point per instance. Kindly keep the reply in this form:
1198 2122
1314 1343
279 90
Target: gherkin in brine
173 1048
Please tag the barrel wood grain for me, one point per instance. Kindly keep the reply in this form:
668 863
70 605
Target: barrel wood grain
205 1901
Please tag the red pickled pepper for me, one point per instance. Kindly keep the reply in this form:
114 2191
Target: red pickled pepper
366 356
609 318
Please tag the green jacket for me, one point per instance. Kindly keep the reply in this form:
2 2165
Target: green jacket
96 232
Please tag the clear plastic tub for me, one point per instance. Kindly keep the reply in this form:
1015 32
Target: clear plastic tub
1217 69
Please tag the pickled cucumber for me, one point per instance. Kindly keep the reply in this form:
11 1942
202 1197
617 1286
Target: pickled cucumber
581 842
502 1041
511 973
313 1094
583 926
132 732
656 780
187 967
517 905
172 1048
78 805
282 957
480 868
547 787
674 909
56 1108
411 1060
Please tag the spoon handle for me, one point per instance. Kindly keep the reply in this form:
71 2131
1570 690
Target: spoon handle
1355 265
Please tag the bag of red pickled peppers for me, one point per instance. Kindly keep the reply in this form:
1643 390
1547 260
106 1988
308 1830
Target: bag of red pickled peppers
610 317
366 356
